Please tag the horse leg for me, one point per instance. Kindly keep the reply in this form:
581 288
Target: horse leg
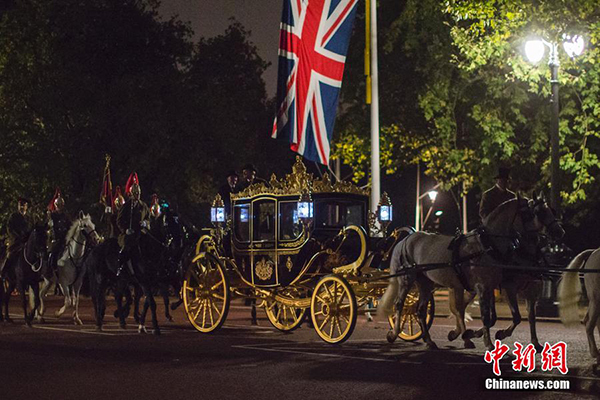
404 284
150 299
511 295
36 301
7 294
119 290
76 291
43 291
592 323
165 295
485 306
62 310
137 293
458 306
426 291
533 294
1 299
23 289
142 316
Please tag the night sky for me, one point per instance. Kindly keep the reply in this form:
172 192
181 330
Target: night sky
210 18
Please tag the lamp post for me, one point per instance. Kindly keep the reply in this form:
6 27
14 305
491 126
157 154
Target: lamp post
534 50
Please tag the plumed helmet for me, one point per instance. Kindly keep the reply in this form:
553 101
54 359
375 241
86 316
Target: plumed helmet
155 210
132 187
119 200
57 201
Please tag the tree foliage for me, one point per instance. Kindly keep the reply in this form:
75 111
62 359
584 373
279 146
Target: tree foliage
463 99
79 79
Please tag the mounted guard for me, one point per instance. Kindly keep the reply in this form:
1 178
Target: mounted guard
132 218
59 223
19 227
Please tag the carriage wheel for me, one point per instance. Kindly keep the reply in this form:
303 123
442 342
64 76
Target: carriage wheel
284 317
410 330
206 293
333 309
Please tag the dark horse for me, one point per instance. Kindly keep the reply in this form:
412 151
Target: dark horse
27 269
102 266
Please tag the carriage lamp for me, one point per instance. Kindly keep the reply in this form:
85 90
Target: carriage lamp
217 211
305 208
384 212
432 195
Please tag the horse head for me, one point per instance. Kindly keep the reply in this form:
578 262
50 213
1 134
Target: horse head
545 216
37 243
87 228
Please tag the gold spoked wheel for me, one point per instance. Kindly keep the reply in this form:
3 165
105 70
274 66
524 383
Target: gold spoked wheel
410 330
333 309
206 293
286 317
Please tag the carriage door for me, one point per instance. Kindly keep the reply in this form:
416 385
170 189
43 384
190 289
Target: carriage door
264 261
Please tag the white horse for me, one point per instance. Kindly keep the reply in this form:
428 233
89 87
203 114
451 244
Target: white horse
71 269
569 290
510 221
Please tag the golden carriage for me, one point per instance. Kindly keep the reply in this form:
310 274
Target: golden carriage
296 245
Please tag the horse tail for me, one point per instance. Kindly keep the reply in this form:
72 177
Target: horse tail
569 290
385 307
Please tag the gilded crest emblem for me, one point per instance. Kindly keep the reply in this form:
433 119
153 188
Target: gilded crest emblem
289 264
264 269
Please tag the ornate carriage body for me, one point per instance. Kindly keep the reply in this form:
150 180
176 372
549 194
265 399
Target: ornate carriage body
269 250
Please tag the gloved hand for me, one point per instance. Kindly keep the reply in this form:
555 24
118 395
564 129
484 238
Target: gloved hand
129 231
144 224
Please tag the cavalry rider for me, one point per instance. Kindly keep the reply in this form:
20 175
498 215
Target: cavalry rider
132 218
111 213
19 227
59 224
497 195
228 188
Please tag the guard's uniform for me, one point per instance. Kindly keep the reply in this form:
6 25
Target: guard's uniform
492 198
61 223
19 227
129 222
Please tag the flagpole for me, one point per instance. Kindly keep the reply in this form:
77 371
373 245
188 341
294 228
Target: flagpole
375 167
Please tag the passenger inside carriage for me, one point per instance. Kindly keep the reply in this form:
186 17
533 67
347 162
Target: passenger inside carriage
264 220
337 214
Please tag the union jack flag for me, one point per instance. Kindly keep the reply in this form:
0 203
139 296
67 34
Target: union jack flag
313 44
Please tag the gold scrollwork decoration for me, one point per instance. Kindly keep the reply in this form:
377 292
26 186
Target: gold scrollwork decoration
297 182
264 269
289 264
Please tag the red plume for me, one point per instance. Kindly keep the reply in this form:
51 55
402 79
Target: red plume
51 205
133 179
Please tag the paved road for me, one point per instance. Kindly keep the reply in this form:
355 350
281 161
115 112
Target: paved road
58 360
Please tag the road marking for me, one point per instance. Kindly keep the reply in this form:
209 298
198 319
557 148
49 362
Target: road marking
49 328
312 354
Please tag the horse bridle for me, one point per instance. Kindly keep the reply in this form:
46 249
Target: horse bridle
32 265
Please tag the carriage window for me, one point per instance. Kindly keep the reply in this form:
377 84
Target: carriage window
264 220
337 214
242 222
290 227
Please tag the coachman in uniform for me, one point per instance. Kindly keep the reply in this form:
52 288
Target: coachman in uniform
497 195
59 224
19 227
132 218
112 213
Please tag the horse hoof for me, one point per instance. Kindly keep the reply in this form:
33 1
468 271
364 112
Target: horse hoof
391 338
469 344
41 320
432 346
452 335
123 326
538 347
468 334
116 314
478 334
500 335
156 332
169 318
98 329
142 329
29 324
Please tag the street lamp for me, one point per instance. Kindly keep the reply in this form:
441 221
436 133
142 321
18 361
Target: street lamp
534 50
